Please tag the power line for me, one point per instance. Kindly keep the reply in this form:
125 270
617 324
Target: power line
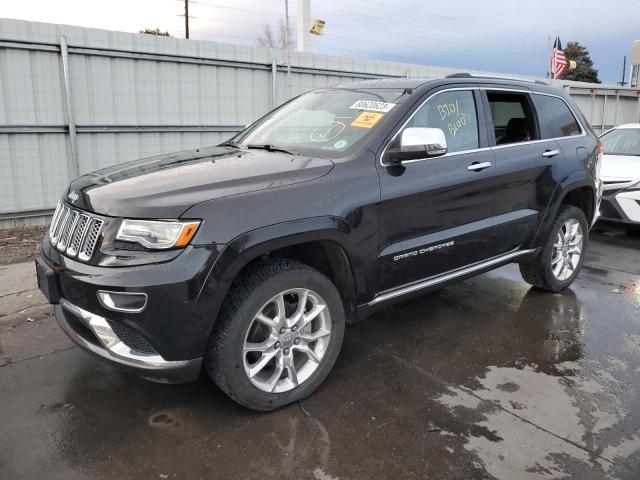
429 43
415 35
418 40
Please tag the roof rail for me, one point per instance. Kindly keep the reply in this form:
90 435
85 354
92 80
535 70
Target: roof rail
495 77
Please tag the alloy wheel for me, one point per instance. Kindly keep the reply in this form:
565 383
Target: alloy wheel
286 340
567 249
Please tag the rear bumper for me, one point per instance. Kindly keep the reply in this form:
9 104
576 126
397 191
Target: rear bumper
94 334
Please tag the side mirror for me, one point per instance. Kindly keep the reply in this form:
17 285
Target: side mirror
419 143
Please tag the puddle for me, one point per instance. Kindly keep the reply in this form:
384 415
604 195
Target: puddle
544 426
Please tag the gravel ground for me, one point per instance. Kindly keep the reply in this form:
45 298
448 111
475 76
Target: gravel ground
20 244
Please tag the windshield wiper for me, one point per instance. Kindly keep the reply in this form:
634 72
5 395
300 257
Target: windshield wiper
272 148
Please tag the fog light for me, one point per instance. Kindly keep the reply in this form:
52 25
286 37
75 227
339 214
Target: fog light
123 301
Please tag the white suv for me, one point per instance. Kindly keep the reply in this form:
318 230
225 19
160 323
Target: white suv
621 175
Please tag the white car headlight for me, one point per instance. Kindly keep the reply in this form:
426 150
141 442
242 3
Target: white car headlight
157 234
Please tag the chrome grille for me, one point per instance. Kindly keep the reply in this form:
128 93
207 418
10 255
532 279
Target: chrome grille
74 233
95 225
82 226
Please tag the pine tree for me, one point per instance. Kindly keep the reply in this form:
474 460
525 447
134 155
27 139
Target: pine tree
584 71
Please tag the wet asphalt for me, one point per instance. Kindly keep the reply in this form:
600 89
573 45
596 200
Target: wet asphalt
489 378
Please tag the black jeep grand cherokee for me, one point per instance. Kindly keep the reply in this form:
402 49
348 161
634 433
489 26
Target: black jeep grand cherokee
248 258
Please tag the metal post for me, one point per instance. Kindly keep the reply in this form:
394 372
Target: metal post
302 25
74 165
287 46
604 108
274 84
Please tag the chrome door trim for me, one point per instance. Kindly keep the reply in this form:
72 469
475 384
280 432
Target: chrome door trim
482 149
431 281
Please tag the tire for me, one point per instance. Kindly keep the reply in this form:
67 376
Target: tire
265 288
540 271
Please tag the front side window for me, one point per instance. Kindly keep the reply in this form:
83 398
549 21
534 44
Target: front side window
324 123
622 141
555 118
513 117
454 112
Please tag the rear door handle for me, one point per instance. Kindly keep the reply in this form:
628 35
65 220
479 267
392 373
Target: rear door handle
477 166
550 153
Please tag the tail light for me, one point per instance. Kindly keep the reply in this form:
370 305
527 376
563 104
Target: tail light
600 153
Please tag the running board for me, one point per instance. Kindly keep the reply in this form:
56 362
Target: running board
449 276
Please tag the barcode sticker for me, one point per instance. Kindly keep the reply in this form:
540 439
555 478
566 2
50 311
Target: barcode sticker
383 107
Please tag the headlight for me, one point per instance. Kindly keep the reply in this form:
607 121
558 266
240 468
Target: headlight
157 234
635 186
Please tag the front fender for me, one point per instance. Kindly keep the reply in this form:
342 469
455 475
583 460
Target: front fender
255 243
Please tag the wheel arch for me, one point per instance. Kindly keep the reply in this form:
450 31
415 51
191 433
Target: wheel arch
321 242
577 191
583 197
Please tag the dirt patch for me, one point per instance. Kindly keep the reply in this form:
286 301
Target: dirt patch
20 244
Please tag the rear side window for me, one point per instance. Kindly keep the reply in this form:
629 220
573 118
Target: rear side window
513 117
554 117
454 112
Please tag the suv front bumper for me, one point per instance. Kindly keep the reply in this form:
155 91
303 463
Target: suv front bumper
95 334
165 340
620 205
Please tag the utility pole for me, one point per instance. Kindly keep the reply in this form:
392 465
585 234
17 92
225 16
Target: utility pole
624 70
186 18
303 24
287 46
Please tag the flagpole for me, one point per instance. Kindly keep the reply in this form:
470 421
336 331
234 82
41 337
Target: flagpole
553 61
549 58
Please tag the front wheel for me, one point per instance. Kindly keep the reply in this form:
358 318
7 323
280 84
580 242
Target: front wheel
561 258
278 335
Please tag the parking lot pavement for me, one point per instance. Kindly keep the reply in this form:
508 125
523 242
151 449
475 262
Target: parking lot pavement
485 379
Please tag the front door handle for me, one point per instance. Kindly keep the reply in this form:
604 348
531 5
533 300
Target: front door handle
477 166
550 153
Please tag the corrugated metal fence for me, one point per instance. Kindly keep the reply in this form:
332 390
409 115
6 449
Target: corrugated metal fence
73 100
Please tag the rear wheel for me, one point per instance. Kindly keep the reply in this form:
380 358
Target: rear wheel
278 335
561 258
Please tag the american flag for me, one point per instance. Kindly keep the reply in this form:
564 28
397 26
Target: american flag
558 60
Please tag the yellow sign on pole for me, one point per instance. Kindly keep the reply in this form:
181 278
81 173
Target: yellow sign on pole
572 64
317 27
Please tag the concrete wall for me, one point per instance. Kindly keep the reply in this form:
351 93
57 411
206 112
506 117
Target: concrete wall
73 100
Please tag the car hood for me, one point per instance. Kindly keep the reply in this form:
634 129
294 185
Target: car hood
620 167
167 185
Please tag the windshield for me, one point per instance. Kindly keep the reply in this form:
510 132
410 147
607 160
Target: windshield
622 141
324 123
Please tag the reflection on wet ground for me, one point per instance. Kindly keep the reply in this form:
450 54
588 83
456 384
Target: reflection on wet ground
484 379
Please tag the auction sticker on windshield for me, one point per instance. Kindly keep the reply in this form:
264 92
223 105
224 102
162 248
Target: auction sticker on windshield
367 119
383 107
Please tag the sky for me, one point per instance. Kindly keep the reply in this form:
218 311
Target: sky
508 36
